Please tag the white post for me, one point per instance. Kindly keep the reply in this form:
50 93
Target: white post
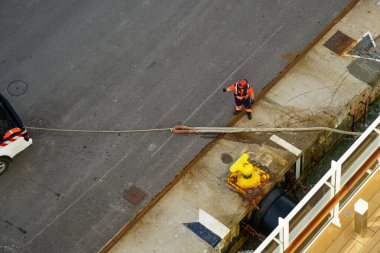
298 167
336 178
361 213
281 234
284 233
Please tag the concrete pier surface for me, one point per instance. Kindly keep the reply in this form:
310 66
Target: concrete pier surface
115 65
322 89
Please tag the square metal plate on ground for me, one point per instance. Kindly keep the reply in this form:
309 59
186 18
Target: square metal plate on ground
339 43
134 195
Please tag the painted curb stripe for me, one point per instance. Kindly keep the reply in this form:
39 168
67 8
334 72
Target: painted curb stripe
204 233
208 228
283 143
213 224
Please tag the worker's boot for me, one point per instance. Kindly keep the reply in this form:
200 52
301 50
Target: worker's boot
236 112
249 115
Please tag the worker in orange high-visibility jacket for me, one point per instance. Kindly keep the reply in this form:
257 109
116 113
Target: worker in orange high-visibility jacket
244 96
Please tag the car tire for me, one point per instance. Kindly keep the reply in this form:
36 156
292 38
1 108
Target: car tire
4 164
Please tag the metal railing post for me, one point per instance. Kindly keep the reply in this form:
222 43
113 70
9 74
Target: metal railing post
284 233
335 181
281 234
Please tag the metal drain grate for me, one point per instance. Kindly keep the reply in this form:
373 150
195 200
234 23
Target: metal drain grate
339 43
134 195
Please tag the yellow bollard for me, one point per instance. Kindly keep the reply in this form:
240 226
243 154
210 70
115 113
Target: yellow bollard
246 176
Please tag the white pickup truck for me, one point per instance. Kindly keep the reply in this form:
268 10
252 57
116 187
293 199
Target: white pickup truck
14 138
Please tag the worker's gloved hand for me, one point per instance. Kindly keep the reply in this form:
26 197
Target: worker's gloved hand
252 101
224 89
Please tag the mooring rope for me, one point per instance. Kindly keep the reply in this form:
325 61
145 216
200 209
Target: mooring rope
258 130
199 130
99 131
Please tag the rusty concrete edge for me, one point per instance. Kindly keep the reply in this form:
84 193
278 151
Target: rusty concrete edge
123 231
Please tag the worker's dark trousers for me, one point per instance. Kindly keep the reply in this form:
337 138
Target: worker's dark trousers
244 102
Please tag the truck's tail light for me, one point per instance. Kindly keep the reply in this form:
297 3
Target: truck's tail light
26 136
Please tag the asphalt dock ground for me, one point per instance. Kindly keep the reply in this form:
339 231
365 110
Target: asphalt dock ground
322 89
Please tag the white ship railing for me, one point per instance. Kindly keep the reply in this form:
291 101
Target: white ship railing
327 187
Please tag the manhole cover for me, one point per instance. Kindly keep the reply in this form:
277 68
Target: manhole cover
226 158
339 43
134 195
17 88
37 123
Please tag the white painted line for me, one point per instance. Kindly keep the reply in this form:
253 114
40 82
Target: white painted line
213 224
283 143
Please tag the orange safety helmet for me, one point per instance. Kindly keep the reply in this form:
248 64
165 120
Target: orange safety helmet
242 83
12 131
